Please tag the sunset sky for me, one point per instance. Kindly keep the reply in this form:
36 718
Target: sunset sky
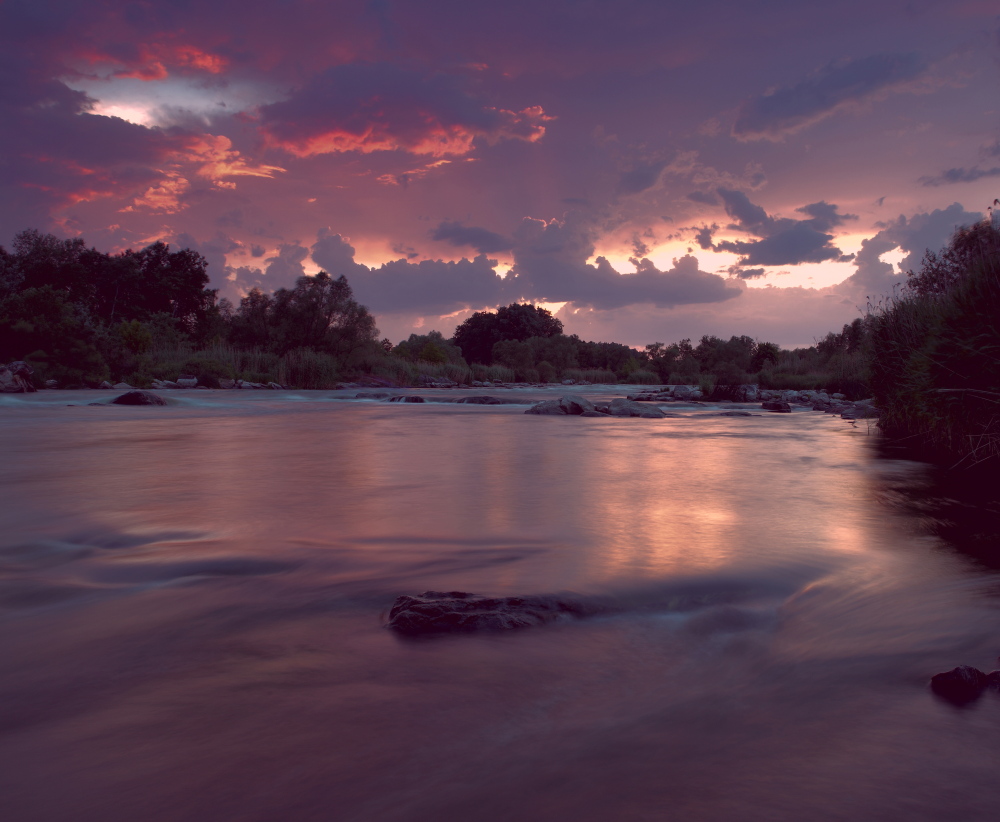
649 169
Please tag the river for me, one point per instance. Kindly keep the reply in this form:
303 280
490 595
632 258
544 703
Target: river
192 601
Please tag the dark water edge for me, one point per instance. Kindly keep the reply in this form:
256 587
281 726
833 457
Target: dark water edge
958 505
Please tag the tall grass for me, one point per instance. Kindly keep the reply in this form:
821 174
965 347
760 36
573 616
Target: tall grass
597 376
935 365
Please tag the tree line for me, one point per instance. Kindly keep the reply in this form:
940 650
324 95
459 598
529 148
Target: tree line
80 316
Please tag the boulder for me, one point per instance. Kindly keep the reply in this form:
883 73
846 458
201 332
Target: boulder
575 404
547 407
485 400
275 387
621 407
139 398
122 386
187 381
436 612
595 414
776 405
408 398
223 383
959 685
569 382
735 414
105 385
15 378
51 384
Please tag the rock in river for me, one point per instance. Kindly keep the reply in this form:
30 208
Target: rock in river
960 685
139 398
776 405
630 408
435 612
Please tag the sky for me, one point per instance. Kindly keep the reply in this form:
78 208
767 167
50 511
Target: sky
649 170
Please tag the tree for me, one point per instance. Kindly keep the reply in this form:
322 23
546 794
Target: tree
42 326
319 313
517 321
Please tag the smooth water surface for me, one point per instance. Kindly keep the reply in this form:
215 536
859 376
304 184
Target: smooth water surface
191 606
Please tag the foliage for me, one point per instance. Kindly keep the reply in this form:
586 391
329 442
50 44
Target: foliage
477 335
430 347
40 325
934 351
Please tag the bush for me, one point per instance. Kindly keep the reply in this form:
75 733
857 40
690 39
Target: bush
643 377
547 372
306 368
597 376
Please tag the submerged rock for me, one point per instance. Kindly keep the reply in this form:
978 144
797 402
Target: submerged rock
960 685
620 407
139 398
434 612
776 405
408 398
372 395
575 404
485 400
15 378
547 407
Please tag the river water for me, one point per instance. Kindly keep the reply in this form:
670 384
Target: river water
192 602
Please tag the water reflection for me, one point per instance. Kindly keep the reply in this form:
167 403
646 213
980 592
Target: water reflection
190 599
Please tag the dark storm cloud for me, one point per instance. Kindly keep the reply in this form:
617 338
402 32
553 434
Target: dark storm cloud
782 241
384 107
792 108
960 175
481 239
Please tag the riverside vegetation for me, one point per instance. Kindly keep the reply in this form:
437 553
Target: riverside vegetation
930 353
79 317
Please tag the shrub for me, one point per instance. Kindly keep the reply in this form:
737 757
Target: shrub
547 372
643 377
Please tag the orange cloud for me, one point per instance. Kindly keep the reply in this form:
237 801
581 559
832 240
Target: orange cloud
436 139
155 60
164 197
216 158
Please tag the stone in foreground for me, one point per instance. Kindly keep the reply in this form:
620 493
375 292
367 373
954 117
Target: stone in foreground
138 398
436 612
959 685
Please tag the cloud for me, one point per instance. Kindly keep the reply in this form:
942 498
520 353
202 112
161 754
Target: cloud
286 267
783 241
749 273
550 265
836 87
640 177
960 175
703 197
914 235
481 239
368 107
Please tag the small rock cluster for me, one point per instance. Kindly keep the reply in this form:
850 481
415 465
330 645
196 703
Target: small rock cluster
575 405
192 382
964 684
15 378
437 612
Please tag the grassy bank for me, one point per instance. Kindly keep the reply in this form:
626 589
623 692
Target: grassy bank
934 355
